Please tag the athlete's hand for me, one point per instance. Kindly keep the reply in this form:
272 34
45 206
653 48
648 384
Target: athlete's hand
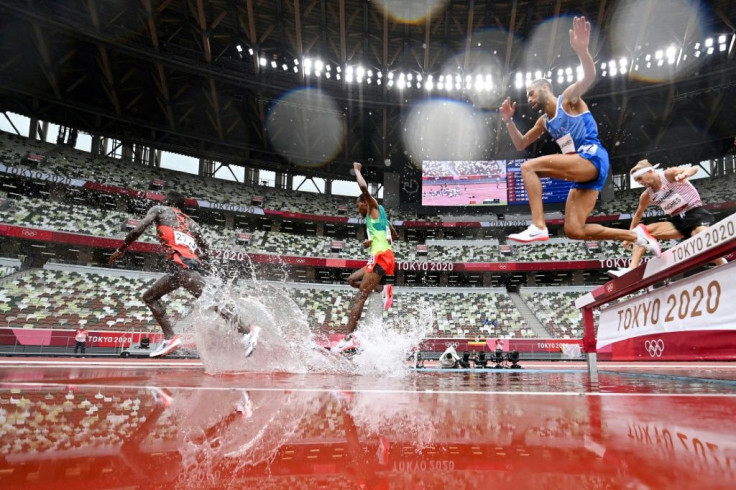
357 166
118 254
507 110
627 244
580 34
682 175
367 243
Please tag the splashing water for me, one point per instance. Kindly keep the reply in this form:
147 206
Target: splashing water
286 343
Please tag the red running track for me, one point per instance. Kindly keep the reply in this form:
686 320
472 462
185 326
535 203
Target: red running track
167 424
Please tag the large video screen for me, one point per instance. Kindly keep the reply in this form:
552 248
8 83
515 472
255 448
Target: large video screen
464 183
483 183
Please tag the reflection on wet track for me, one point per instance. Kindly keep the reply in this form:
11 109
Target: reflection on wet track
180 428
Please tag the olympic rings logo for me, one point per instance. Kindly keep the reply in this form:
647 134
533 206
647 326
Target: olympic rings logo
654 347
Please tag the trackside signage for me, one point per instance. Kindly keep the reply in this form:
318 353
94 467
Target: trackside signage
701 302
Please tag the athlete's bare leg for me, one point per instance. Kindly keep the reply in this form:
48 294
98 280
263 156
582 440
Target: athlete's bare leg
152 298
569 167
356 278
580 203
367 286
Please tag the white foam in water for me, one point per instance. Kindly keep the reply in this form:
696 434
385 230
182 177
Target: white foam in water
286 343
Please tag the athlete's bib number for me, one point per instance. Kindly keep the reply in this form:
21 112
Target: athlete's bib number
184 239
567 145
672 203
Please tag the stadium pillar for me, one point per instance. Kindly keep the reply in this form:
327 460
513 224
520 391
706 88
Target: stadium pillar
328 187
95 150
33 129
206 167
320 228
531 278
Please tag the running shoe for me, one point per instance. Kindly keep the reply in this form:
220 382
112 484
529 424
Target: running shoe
388 296
166 346
531 234
646 240
618 272
250 340
346 344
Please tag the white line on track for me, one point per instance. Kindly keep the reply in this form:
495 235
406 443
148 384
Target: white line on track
31 384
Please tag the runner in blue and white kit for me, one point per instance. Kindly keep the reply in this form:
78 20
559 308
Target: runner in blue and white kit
583 160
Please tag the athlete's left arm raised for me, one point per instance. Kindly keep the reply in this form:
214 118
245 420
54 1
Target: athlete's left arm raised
579 40
135 233
372 203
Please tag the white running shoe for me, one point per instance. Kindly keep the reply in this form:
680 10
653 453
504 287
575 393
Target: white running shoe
618 272
388 296
250 340
646 240
531 234
345 344
166 346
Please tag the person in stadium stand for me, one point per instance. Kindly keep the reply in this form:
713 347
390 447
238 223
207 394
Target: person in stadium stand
583 160
80 338
370 278
676 196
184 247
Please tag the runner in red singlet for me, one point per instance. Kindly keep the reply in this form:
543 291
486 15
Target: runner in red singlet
184 247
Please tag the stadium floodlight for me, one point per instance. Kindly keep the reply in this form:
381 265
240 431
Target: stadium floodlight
419 77
328 67
360 71
568 70
537 74
285 67
659 54
603 65
709 42
710 50
429 85
390 75
349 77
368 81
390 83
561 79
250 51
328 75
239 48
560 71
318 65
410 77
623 63
408 84
262 61
519 83
722 48
440 86
660 62
468 85
338 69
648 57
379 75
338 76
296 62
274 64
448 86
296 69
722 39
370 73
458 86
307 63
378 82
614 70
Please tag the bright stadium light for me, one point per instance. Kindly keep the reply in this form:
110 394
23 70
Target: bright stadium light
250 51
360 71
318 65
262 61
239 48
370 73
709 42
429 85
390 75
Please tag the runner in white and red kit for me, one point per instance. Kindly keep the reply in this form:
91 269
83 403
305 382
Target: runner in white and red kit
675 195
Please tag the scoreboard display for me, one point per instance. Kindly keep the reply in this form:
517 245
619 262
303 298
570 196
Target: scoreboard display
553 190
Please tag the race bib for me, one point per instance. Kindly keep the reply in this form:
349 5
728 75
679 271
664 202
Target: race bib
184 239
672 203
567 145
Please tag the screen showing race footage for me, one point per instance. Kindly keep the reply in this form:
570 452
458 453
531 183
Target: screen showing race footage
482 183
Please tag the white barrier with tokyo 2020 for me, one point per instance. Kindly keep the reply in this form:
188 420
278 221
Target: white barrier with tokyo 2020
701 302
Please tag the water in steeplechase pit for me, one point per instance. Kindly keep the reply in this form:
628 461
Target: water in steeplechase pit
286 342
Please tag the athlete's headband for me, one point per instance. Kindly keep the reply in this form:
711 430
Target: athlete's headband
644 170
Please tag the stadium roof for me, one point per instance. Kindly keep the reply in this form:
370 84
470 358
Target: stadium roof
225 79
